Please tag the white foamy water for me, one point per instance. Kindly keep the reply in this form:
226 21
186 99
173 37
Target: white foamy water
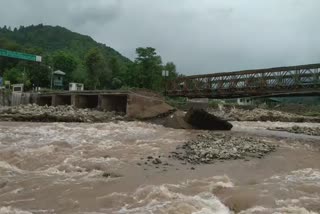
78 150
10 210
304 176
192 196
292 193
282 210
268 124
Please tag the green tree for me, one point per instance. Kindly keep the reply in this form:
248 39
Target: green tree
97 69
171 68
13 75
39 74
148 68
66 63
115 67
17 76
116 83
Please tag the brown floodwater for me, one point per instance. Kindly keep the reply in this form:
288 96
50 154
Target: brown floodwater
104 168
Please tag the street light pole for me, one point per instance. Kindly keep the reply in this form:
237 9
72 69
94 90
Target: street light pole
51 82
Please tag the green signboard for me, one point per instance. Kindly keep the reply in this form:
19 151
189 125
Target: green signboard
18 55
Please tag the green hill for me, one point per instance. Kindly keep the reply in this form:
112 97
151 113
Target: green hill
61 49
49 39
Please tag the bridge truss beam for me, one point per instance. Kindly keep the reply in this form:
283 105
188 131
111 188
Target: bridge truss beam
260 82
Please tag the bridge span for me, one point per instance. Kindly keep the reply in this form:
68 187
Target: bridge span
287 81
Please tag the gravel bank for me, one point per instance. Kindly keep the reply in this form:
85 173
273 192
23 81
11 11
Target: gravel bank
211 147
314 131
37 113
258 114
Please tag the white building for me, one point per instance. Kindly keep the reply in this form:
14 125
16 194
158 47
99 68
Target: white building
76 86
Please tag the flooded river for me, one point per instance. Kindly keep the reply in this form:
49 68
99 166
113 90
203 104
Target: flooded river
103 168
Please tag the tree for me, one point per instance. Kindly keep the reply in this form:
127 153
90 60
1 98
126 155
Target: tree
171 68
17 76
97 69
115 67
66 63
39 75
148 68
13 75
116 83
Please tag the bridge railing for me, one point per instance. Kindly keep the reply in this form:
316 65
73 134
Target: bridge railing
247 83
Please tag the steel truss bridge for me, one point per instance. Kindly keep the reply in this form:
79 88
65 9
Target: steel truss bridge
286 81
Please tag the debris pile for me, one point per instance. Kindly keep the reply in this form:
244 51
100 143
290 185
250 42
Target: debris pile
314 131
35 113
201 119
210 147
193 119
259 114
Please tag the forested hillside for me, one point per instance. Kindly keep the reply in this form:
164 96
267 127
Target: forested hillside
80 57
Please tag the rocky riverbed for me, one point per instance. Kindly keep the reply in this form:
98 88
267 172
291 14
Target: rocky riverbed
208 148
259 114
35 113
314 131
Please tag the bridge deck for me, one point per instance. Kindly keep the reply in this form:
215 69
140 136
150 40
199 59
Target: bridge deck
293 80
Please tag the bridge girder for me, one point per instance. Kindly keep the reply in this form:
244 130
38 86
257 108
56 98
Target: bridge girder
302 79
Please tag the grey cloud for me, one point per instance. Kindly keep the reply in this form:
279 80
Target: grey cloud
99 12
200 36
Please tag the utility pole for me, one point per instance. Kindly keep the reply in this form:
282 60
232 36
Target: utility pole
51 84
165 74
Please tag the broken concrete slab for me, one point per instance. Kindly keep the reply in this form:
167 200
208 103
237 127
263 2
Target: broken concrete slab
143 107
201 119
176 121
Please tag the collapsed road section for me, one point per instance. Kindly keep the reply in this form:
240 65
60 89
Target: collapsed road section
132 104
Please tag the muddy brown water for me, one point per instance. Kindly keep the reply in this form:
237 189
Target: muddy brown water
104 168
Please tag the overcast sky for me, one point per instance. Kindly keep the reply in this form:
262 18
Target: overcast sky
199 36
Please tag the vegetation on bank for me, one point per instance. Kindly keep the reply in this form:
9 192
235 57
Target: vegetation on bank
81 58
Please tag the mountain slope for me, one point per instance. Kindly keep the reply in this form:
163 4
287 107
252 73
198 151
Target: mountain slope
50 39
